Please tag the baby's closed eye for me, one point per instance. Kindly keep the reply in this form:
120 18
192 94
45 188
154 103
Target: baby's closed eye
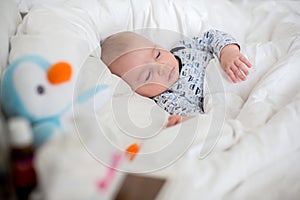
148 76
156 53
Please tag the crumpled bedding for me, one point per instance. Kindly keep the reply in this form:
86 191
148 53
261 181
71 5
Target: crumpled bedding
245 147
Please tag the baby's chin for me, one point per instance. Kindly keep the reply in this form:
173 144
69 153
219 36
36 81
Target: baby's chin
174 79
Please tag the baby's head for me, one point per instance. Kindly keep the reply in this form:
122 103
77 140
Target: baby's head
146 67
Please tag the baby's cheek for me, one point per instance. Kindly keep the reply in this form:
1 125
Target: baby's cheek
151 89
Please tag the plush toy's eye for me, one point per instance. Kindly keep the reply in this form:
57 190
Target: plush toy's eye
40 89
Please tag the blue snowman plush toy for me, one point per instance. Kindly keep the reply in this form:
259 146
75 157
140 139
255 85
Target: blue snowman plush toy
42 93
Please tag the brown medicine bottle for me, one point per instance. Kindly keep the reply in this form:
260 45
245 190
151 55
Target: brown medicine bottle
22 155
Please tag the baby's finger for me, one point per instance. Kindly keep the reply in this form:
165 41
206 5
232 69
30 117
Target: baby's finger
241 66
246 61
231 74
239 74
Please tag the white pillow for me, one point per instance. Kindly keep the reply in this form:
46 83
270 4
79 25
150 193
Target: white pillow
10 18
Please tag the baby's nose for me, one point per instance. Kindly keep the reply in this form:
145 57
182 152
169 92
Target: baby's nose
162 70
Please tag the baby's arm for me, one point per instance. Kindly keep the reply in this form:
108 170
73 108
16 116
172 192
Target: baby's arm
228 52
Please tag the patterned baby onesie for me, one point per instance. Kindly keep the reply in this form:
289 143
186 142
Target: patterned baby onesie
185 97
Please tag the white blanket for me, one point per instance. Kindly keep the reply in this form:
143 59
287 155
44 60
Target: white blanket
245 147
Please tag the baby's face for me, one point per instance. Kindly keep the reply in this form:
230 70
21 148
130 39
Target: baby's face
149 71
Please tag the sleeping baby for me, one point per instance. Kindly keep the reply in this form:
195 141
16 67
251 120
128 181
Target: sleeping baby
173 79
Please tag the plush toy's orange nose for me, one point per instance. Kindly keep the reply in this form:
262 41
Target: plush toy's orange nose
59 73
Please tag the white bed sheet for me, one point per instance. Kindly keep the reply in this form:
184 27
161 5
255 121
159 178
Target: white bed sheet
255 130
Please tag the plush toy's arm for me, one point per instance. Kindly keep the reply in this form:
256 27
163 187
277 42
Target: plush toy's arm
43 131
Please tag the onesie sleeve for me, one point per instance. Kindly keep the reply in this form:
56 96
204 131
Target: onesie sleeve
178 104
213 41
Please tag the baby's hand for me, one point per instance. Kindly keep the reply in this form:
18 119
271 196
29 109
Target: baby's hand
176 119
234 63
173 120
